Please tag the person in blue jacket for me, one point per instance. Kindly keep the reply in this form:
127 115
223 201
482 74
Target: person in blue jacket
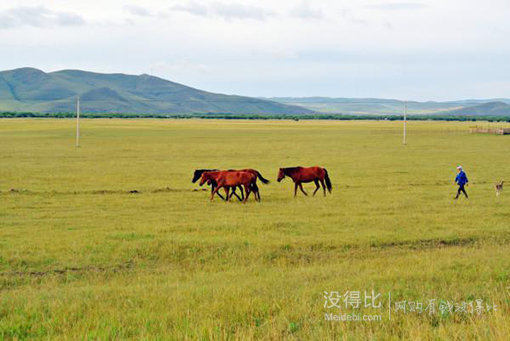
461 180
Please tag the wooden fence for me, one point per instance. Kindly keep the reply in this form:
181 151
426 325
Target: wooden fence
496 131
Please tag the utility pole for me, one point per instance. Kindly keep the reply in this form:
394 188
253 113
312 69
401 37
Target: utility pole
405 123
78 121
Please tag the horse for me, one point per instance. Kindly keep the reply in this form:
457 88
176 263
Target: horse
306 174
229 179
198 173
258 175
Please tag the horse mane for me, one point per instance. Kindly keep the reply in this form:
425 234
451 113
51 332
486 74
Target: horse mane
206 174
198 173
206 170
289 170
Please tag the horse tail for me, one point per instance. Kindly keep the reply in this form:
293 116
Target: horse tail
261 178
328 181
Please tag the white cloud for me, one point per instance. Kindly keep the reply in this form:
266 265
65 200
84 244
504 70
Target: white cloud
240 11
37 16
305 11
180 67
192 7
137 10
434 49
227 11
397 6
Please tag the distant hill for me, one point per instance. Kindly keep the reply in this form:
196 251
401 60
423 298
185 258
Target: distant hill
29 89
32 90
377 106
484 109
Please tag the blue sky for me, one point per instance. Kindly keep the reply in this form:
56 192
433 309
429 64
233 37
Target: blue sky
416 50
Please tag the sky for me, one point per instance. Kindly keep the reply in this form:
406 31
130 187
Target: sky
409 50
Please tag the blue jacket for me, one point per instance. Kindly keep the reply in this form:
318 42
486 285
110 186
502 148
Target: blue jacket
461 178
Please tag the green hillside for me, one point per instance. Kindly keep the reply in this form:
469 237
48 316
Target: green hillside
484 109
29 89
378 106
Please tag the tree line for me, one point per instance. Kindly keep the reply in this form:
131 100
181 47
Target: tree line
227 116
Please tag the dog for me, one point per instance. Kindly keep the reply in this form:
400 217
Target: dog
499 187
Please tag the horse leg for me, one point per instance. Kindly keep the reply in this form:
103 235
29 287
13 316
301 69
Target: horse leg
235 193
227 189
256 191
317 187
247 190
214 192
323 186
213 187
295 189
242 193
301 188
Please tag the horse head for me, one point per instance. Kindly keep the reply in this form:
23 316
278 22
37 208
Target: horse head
197 174
281 174
206 177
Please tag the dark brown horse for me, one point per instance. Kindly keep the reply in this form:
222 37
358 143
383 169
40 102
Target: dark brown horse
306 174
231 179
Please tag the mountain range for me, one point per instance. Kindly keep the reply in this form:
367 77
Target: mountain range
32 90
377 106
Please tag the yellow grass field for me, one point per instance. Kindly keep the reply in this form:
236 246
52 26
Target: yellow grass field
83 258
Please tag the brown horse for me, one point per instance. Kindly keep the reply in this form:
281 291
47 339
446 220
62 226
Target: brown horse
306 174
231 179
255 172
198 173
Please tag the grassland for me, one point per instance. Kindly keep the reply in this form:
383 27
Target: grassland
82 258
